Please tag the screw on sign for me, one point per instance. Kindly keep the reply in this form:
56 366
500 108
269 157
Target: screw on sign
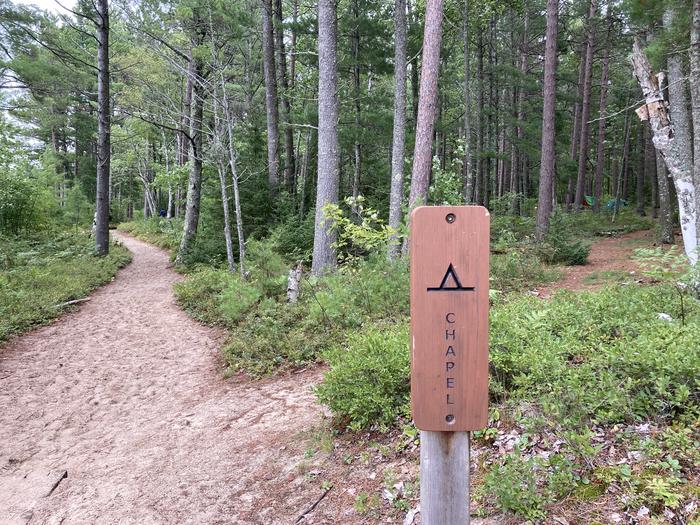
449 350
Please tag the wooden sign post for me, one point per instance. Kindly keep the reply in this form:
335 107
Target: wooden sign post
449 350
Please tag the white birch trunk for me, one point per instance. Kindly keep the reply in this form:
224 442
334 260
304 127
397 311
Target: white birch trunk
666 141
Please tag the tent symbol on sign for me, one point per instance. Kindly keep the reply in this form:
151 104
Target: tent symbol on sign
450 283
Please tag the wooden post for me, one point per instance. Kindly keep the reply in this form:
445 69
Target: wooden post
444 478
449 351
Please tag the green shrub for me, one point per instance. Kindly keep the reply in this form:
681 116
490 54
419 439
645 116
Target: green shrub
200 294
603 357
369 380
164 233
266 267
560 246
236 299
519 269
38 275
276 335
373 289
525 485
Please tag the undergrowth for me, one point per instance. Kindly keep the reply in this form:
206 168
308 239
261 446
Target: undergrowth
38 275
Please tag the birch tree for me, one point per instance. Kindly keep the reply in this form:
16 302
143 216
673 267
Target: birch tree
675 153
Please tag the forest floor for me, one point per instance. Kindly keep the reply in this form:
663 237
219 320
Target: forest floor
119 412
611 260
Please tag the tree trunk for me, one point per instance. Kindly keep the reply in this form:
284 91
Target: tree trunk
544 201
221 168
669 141
479 121
270 98
665 207
304 170
466 90
399 134
103 130
600 151
194 183
293 60
585 111
516 175
695 98
640 171
576 128
285 96
650 169
427 101
356 96
324 255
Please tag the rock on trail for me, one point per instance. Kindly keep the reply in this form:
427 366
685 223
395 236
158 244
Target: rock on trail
118 413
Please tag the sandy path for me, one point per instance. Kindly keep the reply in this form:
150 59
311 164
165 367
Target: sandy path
612 254
125 396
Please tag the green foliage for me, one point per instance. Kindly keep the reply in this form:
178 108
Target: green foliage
603 357
447 188
372 289
560 245
165 233
39 274
360 232
294 238
525 485
24 204
519 269
200 294
368 384
275 335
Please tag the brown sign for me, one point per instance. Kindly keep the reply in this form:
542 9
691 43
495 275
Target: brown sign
449 317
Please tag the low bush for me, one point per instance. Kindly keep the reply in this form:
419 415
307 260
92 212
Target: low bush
369 381
371 290
603 357
560 246
165 233
39 275
277 336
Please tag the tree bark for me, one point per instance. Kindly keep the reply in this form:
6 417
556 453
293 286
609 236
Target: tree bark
650 169
479 121
516 176
427 101
600 151
665 207
466 90
324 254
675 152
357 146
695 98
398 145
640 171
270 98
103 130
544 201
289 159
585 110
194 183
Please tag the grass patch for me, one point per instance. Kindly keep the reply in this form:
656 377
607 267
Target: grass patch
607 276
164 233
38 274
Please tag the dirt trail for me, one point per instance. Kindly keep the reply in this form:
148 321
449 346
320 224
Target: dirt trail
611 256
126 397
